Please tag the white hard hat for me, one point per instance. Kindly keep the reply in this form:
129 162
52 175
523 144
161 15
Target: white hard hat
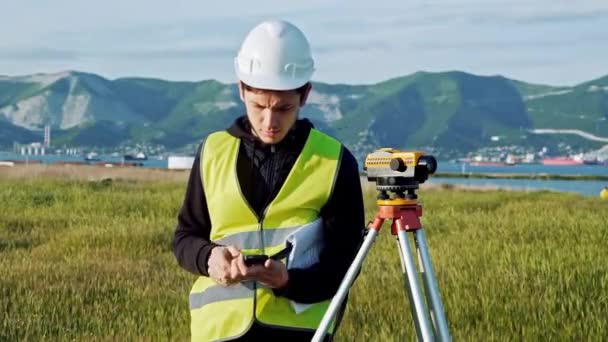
275 55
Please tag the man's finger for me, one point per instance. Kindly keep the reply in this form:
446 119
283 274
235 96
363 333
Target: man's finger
236 274
224 252
256 271
234 252
240 264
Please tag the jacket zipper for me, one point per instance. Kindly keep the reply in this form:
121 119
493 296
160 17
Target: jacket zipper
270 198
261 228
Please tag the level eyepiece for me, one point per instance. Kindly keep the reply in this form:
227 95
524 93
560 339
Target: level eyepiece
430 162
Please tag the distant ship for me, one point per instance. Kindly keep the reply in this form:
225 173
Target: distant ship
562 161
92 156
594 161
138 156
489 163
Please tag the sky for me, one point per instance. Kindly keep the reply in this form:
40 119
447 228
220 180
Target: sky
552 42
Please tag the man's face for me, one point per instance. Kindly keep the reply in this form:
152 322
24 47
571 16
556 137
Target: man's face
272 113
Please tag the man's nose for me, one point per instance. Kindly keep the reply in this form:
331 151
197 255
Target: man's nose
271 117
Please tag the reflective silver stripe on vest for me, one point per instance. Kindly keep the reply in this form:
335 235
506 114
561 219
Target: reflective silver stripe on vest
218 293
251 240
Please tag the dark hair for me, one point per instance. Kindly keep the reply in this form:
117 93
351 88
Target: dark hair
299 90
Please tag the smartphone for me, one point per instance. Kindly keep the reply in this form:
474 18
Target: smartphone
255 259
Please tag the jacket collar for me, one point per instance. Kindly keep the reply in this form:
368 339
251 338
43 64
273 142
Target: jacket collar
241 128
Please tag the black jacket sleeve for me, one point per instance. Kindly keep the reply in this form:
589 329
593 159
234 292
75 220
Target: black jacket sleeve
191 244
343 217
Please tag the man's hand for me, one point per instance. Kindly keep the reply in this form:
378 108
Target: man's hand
272 274
226 265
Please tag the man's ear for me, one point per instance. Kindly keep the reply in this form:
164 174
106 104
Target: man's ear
305 94
242 91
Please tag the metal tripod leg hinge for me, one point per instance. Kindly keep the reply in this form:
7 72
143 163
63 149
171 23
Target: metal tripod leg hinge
406 218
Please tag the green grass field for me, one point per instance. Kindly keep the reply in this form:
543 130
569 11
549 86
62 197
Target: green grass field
92 260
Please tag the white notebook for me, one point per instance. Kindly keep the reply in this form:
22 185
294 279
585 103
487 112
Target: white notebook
307 243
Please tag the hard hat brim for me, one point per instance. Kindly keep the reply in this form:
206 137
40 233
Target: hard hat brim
273 82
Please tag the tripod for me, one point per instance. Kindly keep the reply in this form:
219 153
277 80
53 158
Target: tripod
405 213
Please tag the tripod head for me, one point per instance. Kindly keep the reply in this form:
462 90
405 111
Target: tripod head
396 173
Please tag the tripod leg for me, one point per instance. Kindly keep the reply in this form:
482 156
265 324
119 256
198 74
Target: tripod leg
348 280
408 290
431 290
419 312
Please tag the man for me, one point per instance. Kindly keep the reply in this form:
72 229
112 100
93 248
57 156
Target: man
253 190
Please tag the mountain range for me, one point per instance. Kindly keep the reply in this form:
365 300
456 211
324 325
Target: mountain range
445 112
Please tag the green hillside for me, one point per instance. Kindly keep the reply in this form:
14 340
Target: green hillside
10 133
13 92
453 112
99 133
583 105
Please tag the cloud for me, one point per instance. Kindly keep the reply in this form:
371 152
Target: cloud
346 47
559 16
380 39
39 54
414 15
197 53
509 43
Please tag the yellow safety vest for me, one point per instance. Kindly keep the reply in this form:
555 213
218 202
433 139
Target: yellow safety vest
226 312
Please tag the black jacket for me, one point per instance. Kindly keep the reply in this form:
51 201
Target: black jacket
262 170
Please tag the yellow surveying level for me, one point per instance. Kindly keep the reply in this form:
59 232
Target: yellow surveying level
397 176
406 166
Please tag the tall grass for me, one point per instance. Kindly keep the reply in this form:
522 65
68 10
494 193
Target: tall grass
510 266
91 260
